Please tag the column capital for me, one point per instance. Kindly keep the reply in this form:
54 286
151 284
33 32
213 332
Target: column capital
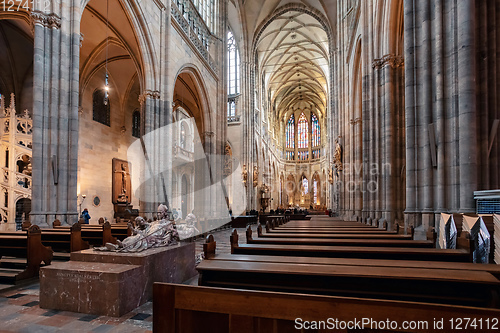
392 60
208 134
51 21
149 94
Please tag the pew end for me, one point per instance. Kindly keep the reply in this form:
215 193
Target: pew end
233 239
259 230
411 231
466 243
38 251
130 229
209 247
25 225
77 243
56 223
268 227
248 233
384 225
432 235
106 234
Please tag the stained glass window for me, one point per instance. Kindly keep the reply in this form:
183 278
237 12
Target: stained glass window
316 153
290 132
303 155
315 191
303 131
316 132
305 186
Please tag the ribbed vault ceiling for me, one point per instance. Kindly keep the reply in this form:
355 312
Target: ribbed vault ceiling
293 57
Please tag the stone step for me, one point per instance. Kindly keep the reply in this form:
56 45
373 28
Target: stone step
8 276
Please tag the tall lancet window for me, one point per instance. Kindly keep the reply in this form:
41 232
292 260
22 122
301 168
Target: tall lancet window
290 132
233 63
303 131
316 131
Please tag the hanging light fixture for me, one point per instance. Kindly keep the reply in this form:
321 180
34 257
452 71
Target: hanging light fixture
106 78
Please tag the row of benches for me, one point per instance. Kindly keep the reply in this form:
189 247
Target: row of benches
39 245
367 270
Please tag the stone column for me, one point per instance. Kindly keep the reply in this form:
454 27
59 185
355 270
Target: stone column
55 117
439 118
467 105
410 82
388 67
210 192
157 151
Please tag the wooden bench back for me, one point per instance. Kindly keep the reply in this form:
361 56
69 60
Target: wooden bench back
189 309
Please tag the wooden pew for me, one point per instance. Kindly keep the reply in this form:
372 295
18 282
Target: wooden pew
425 254
298 217
64 240
339 241
272 229
26 245
442 286
265 218
60 239
333 224
189 309
243 221
332 235
209 248
118 230
352 227
95 235
210 245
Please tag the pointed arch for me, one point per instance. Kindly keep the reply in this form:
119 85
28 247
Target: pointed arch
147 67
199 92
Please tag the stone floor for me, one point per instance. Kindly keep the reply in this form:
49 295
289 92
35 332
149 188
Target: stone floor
20 312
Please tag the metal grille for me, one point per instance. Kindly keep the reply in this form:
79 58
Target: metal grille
489 206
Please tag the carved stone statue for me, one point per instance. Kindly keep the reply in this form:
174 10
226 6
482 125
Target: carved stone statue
188 229
255 176
147 235
330 176
122 190
123 172
244 175
337 158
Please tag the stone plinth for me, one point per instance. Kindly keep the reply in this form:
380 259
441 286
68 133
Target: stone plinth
111 283
94 288
174 264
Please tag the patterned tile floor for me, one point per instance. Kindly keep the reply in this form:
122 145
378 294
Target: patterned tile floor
20 312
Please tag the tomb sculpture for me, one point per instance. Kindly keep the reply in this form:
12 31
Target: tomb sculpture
147 235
